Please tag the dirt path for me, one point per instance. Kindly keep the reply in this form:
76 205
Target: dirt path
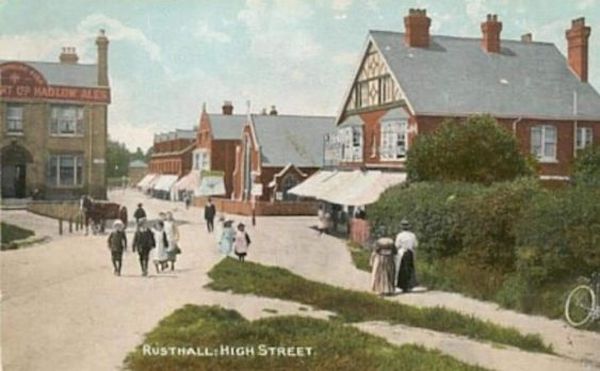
63 309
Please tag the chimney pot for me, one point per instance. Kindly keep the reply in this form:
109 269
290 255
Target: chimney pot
527 38
227 108
102 44
416 25
577 42
491 29
68 55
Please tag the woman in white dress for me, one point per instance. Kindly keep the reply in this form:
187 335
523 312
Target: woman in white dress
160 255
172 233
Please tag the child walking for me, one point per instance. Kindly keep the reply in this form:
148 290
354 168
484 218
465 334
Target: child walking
117 243
241 242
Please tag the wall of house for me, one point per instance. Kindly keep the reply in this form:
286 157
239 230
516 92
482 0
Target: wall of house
262 208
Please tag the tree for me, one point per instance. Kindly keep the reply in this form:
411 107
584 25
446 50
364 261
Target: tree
478 151
117 159
586 171
138 155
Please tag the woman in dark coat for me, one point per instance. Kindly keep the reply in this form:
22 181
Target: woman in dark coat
406 272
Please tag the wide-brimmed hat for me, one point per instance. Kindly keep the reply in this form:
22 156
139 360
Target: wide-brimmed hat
118 223
405 223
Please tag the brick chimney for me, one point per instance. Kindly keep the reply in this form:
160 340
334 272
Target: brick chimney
273 111
102 43
68 55
416 26
527 38
491 29
577 41
227 107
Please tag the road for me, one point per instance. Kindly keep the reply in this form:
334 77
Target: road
62 308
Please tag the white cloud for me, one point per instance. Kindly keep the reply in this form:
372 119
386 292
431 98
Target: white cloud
207 34
586 4
47 45
345 58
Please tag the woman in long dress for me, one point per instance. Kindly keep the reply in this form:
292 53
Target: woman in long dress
406 274
160 255
172 233
382 261
226 238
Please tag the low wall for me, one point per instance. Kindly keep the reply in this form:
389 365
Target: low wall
359 231
263 208
55 209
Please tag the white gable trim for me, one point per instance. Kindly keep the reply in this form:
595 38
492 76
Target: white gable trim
363 56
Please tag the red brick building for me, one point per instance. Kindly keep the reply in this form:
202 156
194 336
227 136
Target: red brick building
408 83
216 141
172 152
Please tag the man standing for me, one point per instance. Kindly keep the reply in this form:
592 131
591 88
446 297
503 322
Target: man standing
406 243
209 215
143 242
117 243
139 215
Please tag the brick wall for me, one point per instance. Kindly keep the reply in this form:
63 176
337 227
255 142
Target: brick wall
263 208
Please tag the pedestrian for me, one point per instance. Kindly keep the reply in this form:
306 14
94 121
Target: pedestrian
187 199
143 243
172 233
321 220
209 215
139 215
241 242
123 216
161 243
227 238
383 267
117 244
85 210
406 243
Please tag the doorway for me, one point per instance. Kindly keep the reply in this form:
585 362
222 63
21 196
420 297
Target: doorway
14 171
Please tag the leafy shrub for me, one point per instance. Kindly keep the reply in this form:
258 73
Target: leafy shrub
586 171
478 150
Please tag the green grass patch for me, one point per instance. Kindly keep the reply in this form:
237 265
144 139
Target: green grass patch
11 233
354 306
333 345
360 256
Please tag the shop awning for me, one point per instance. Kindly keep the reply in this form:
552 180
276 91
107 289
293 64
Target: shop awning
146 180
351 188
211 184
165 183
189 182
311 186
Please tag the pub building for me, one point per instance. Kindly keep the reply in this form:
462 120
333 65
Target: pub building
53 126
408 83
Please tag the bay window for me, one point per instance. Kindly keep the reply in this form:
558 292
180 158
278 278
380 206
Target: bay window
543 142
393 140
66 120
65 170
14 118
584 137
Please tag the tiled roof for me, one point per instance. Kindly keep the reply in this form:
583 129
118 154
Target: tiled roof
227 127
297 140
66 74
455 76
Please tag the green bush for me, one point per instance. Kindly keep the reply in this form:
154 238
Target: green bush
478 150
586 171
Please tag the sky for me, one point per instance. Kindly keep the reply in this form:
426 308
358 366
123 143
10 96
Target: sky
168 57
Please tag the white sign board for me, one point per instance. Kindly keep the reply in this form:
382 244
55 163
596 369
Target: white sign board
99 161
257 189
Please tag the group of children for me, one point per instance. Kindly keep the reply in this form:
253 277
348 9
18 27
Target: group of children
162 240
233 240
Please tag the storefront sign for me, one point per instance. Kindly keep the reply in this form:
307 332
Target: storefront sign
20 81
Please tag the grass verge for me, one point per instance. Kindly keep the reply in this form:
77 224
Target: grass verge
333 345
354 306
11 233
360 256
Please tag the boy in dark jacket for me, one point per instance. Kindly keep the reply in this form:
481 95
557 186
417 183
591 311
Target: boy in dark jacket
117 243
139 215
209 215
143 242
